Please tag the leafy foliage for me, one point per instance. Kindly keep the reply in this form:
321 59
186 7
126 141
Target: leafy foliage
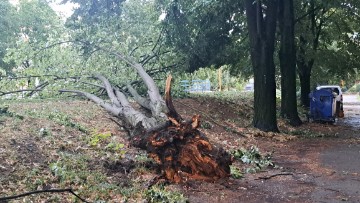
205 33
329 39
8 24
253 158
160 194
65 120
102 140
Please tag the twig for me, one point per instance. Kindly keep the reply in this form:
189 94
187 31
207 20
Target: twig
5 199
17 91
274 175
118 123
306 14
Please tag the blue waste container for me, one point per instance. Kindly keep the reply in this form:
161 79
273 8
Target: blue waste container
322 106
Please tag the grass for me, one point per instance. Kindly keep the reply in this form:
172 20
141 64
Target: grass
66 144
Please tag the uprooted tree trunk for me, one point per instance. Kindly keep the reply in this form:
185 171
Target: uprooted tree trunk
180 149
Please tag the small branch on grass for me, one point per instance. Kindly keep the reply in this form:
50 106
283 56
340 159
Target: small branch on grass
5 199
117 123
17 91
274 175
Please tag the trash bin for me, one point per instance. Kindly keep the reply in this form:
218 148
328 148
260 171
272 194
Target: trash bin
322 106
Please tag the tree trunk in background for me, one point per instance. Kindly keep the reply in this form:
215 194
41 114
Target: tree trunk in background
304 75
262 38
309 42
304 70
287 57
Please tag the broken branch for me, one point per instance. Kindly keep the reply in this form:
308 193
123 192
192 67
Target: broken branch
4 199
274 175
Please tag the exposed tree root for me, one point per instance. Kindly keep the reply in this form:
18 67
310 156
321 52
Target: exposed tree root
181 150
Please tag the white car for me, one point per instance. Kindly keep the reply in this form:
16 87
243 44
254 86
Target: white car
333 88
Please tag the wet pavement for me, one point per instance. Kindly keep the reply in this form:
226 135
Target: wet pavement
351 111
343 159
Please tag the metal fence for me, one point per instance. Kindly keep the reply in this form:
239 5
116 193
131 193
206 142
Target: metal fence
196 85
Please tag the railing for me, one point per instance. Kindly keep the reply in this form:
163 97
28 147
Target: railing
196 85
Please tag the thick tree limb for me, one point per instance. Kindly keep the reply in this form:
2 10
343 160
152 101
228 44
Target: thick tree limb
129 114
109 90
108 107
157 103
144 102
121 97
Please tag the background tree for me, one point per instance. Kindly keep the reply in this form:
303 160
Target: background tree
321 29
339 48
206 33
8 25
262 26
288 62
308 44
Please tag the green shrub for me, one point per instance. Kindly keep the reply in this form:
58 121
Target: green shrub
160 194
253 159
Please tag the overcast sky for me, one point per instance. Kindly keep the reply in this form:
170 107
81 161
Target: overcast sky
64 10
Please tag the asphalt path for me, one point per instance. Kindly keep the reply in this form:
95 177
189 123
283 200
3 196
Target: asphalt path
343 159
351 111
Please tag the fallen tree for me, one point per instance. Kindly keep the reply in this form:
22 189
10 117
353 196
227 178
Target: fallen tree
179 148
177 145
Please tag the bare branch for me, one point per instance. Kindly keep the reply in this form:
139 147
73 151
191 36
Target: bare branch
39 87
109 89
93 84
4 199
274 175
17 91
306 14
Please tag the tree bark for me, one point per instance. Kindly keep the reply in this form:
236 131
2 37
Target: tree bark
304 75
262 40
287 58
